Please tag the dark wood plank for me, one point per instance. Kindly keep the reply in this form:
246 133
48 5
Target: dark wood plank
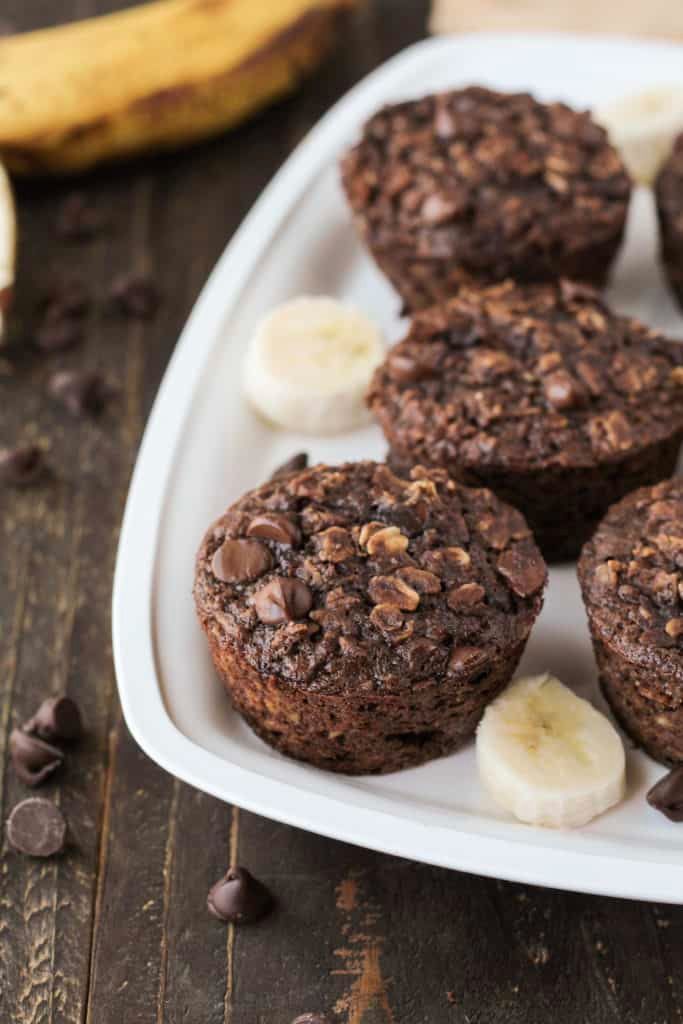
117 929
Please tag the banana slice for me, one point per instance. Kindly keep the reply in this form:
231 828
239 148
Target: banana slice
309 363
643 126
548 756
8 244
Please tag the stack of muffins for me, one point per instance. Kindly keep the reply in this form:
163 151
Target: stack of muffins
363 616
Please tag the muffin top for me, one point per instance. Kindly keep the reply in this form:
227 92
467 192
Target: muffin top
528 377
346 579
631 573
460 174
669 190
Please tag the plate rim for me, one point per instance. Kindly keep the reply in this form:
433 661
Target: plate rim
135 657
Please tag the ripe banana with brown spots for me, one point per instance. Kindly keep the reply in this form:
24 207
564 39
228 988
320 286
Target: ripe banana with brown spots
151 77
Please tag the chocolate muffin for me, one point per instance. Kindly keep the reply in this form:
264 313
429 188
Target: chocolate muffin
669 196
362 622
475 186
540 393
631 575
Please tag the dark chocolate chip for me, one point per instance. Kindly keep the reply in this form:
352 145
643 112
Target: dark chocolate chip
406 370
57 718
22 465
135 295
523 568
293 465
82 392
34 760
667 795
274 526
282 600
561 391
466 659
239 898
58 335
237 561
78 219
37 828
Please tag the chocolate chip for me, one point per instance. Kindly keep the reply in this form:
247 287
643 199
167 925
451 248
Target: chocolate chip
293 465
62 311
561 391
667 795
57 718
78 219
523 568
274 526
237 561
37 828
22 465
239 898
34 760
466 659
58 335
82 392
404 369
134 295
282 600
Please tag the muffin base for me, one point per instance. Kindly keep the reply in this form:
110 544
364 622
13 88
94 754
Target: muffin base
628 689
363 733
564 506
422 283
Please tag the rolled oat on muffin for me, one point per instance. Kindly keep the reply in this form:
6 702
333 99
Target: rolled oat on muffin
362 622
474 186
540 393
631 575
669 197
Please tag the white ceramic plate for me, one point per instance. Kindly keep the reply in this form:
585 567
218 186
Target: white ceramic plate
203 447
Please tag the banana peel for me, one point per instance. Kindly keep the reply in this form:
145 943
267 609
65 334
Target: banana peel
151 77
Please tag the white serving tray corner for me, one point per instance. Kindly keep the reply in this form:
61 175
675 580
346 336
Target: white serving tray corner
203 447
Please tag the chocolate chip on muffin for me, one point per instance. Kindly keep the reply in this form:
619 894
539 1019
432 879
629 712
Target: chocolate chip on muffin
540 393
386 615
631 575
474 186
669 197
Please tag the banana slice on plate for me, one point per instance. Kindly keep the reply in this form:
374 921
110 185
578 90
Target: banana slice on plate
309 363
643 126
548 756
8 244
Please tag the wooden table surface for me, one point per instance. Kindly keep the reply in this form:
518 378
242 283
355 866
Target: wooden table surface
116 931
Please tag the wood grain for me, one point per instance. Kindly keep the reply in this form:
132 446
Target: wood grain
117 929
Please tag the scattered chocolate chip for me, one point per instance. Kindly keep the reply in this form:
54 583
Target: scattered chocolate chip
293 465
274 526
37 828
404 369
34 760
78 219
82 392
667 795
237 561
466 659
62 311
239 898
282 600
134 295
523 568
22 465
561 391
57 718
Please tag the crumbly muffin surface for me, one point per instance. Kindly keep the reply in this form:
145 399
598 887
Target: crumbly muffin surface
632 578
349 579
491 180
528 377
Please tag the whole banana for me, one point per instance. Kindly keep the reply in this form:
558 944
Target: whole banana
150 77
